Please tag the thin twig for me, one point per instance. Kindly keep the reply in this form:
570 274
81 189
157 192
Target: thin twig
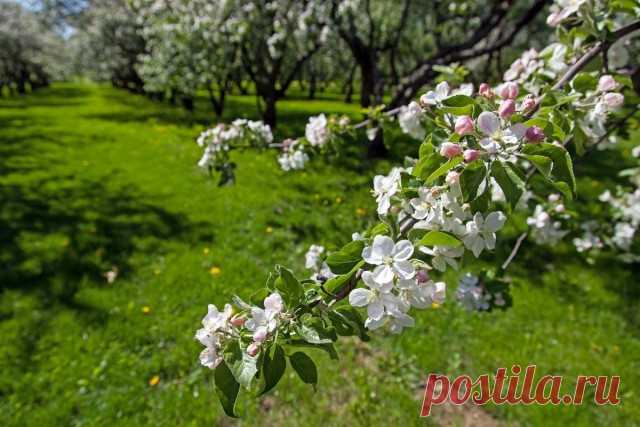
514 251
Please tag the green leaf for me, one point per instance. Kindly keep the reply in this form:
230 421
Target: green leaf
481 203
242 366
227 388
335 284
311 335
439 238
273 367
426 148
353 316
379 228
584 82
452 163
542 163
342 262
509 181
427 165
327 348
304 367
289 286
471 178
458 101
562 165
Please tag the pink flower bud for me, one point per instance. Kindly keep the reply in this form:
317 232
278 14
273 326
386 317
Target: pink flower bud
452 178
534 134
450 150
260 335
237 321
422 276
553 198
471 155
507 108
253 349
464 125
485 90
613 100
528 102
509 90
607 83
560 208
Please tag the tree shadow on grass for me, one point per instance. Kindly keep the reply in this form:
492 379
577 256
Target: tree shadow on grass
58 233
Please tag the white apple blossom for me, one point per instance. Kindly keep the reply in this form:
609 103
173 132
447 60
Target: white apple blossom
544 229
385 187
410 118
623 235
443 256
562 9
378 299
471 294
264 321
498 138
391 259
215 326
316 131
435 97
481 232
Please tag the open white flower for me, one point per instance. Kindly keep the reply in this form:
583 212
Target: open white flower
481 232
316 131
434 97
443 256
391 259
410 119
215 324
421 294
562 10
378 299
264 321
385 187
489 124
312 257
424 204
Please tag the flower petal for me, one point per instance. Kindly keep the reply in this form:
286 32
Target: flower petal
360 297
402 250
488 123
404 269
375 310
494 221
382 274
382 247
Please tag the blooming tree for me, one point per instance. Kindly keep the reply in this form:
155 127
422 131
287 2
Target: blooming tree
481 151
31 53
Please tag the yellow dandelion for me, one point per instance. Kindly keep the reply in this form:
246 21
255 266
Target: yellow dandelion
338 200
435 305
269 230
154 381
205 251
157 271
146 309
215 271
361 211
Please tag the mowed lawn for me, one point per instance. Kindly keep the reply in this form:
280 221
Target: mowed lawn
95 180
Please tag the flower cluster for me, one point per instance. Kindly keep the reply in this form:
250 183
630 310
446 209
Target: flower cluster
481 294
222 327
293 156
546 221
219 140
394 286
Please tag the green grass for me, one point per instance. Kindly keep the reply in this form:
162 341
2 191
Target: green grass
92 178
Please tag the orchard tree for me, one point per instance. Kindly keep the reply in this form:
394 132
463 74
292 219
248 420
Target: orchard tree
277 38
108 42
31 54
509 140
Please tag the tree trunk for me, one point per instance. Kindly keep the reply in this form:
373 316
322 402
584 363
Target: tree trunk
269 115
312 87
376 148
187 103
